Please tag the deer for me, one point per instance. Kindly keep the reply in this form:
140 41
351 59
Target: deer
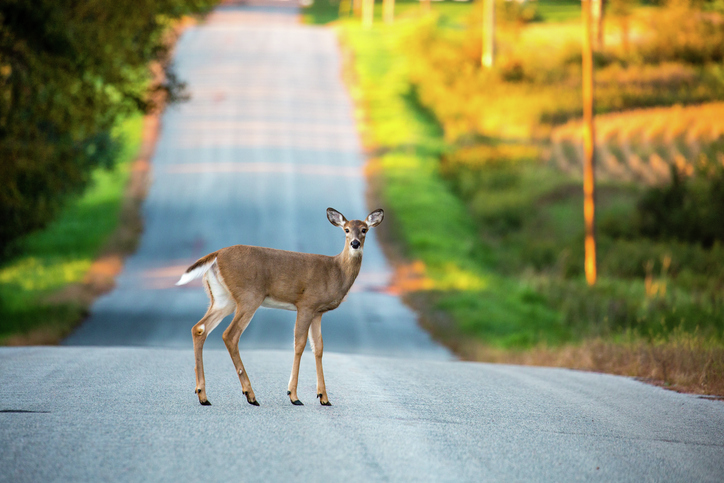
242 278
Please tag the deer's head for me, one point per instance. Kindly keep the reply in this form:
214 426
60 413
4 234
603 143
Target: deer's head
355 230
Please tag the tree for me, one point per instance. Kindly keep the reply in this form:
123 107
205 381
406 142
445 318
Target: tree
388 11
68 70
368 13
598 12
488 57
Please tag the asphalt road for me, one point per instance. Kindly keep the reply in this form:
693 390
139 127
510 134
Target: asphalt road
264 146
129 414
266 143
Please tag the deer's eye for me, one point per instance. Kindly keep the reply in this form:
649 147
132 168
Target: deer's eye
346 230
364 230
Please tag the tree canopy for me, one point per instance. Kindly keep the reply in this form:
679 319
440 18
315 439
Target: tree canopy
68 70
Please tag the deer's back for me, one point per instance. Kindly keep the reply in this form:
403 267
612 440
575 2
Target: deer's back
284 276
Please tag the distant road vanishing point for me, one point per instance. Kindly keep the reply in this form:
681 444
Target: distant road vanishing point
265 144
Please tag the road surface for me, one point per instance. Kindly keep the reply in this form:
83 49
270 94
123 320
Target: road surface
130 414
266 143
264 146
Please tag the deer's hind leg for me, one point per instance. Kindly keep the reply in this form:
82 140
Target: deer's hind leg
245 310
219 308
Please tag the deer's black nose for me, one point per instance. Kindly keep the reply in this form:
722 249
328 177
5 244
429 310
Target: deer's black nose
355 244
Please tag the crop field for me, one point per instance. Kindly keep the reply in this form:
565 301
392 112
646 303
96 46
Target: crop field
643 145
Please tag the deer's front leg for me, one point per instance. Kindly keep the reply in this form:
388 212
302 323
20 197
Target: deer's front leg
301 329
315 337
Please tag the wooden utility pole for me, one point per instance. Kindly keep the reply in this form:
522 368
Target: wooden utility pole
589 182
388 11
488 57
368 13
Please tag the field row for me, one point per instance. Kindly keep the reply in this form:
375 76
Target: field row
642 145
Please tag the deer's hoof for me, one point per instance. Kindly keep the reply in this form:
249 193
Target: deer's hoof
325 403
205 403
251 400
296 402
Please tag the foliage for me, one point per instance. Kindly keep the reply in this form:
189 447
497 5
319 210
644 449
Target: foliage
690 208
686 33
68 70
526 93
434 223
62 253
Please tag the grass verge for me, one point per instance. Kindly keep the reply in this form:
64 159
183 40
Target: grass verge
433 223
471 298
45 290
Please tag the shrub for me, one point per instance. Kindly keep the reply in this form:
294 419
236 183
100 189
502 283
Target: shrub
684 33
690 208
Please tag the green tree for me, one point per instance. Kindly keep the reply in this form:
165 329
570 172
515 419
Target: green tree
68 70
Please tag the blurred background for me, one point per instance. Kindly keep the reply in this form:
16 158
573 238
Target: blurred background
474 148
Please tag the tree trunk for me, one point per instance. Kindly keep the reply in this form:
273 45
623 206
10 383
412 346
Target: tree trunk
589 184
388 11
598 19
368 13
488 57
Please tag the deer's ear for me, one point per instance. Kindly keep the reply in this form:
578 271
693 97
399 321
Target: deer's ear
375 218
335 217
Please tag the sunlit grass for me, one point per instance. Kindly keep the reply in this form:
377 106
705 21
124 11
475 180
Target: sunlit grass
33 275
62 253
434 224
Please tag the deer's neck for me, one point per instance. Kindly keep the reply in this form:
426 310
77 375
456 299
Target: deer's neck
350 264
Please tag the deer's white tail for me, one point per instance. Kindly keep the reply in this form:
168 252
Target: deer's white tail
198 269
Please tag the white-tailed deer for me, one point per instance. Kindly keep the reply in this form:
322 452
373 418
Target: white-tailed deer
243 278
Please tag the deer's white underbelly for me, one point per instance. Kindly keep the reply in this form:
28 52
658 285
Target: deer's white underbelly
276 304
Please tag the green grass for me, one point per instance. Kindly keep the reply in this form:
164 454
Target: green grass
322 12
325 11
559 10
503 243
500 237
433 223
62 253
